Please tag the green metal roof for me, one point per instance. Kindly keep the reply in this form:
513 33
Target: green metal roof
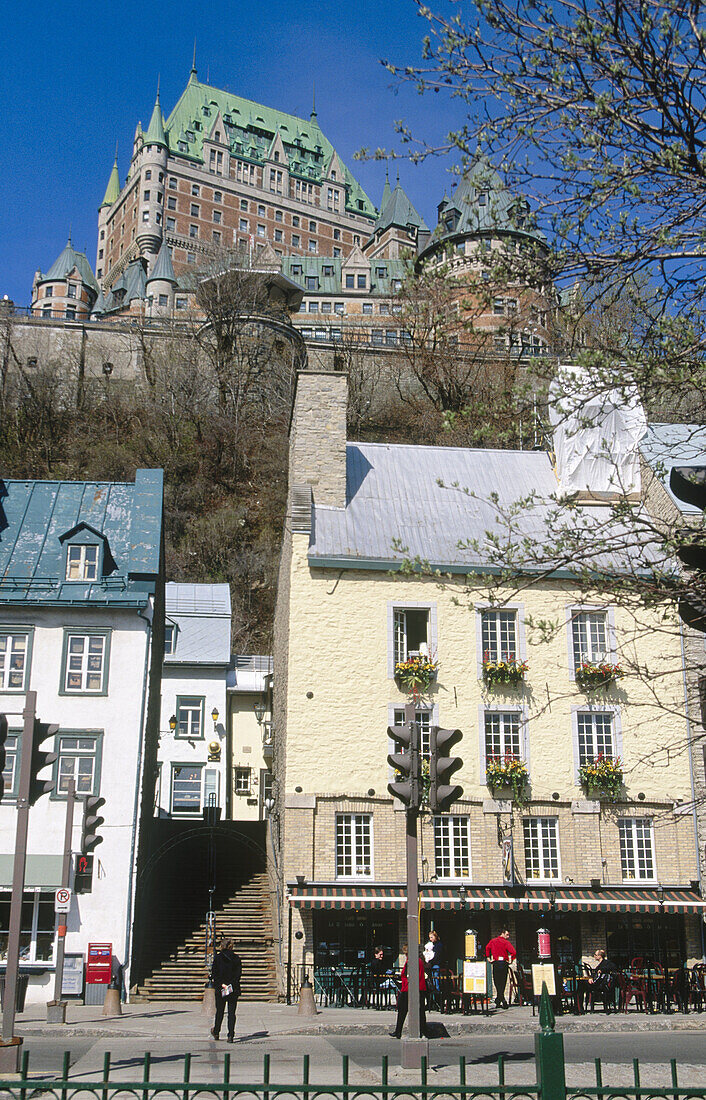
163 268
398 211
34 515
381 285
250 129
66 261
112 191
482 205
155 131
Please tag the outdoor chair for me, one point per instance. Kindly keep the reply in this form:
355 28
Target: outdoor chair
697 986
633 987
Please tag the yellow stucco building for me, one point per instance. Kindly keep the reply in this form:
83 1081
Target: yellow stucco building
601 864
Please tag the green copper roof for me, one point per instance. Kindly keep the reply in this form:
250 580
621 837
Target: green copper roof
155 131
163 266
66 262
398 211
386 193
483 204
249 130
112 191
37 517
384 274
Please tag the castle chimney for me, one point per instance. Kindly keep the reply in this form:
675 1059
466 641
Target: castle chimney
317 438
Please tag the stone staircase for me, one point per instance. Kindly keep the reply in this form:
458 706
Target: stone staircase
246 918
173 952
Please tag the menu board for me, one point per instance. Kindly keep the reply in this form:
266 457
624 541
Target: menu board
543 972
475 977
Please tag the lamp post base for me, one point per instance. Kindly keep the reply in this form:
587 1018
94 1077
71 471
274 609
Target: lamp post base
10 1054
413 1050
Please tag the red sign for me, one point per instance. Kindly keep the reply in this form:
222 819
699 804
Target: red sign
99 963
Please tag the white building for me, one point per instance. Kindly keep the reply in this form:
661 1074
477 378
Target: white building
81 584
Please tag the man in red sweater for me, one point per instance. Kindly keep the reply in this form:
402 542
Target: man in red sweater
403 1000
501 951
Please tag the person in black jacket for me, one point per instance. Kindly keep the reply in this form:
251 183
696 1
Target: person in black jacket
225 975
604 980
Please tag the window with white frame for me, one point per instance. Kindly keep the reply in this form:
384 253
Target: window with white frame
589 634
190 716
595 735
354 845
503 736
411 632
85 662
452 847
242 780
499 635
78 760
36 929
14 650
186 788
10 770
82 563
636 849
423 716
169 638
541 848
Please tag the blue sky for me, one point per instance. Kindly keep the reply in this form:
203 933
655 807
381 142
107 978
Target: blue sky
73 85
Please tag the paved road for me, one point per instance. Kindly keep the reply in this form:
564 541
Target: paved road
365 1053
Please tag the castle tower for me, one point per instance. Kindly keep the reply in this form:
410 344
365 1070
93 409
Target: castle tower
112 193
152 165
160 284
67 290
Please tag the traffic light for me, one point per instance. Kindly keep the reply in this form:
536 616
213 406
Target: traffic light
83 874
91 821
407 764
689 484
3 739
442 794
41 760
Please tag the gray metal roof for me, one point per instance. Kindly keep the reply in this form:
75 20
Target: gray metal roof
201 614
435 501
667 445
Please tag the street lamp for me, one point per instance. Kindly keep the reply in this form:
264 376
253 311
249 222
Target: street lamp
260 709
462 896
214 715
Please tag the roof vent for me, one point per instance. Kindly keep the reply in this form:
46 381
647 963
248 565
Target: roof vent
301 508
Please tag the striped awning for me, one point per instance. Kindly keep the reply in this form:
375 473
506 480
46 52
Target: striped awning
606 899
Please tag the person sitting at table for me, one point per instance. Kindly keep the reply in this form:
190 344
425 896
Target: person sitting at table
604 979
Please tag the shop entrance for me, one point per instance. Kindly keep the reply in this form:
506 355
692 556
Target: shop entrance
452 931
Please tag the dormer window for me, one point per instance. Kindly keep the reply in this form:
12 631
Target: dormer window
482 198
170 633
82 563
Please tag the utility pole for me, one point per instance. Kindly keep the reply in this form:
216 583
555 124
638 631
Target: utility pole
408 789
56 1009
11 1045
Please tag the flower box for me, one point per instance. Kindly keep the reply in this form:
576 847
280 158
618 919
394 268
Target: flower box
506 671
507 771
590 675
416 674
602 777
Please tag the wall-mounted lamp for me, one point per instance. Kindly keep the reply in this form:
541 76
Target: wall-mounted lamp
214 715
641 796
173 723
260 709
301 879
462 896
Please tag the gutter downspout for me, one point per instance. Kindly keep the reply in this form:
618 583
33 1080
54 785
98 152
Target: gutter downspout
132 887
691 777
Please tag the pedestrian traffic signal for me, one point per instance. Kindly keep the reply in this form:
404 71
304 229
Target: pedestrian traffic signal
442 794
41 759
83 874
689 484
407 764
3 739
91 822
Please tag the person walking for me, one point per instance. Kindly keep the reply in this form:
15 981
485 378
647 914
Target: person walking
403 999
225 974
501 951
433 952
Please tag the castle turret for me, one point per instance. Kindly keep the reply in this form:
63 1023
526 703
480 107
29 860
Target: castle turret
112 194
160 284
68 289
152 164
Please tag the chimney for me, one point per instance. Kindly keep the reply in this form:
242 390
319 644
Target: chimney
317 438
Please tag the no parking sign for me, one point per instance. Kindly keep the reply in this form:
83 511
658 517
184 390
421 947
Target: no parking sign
62 900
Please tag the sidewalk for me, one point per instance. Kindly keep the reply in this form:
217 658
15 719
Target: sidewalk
160 1021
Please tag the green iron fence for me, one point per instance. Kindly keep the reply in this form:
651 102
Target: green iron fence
549 1084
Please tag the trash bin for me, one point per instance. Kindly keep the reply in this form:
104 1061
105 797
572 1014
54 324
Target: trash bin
20 993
